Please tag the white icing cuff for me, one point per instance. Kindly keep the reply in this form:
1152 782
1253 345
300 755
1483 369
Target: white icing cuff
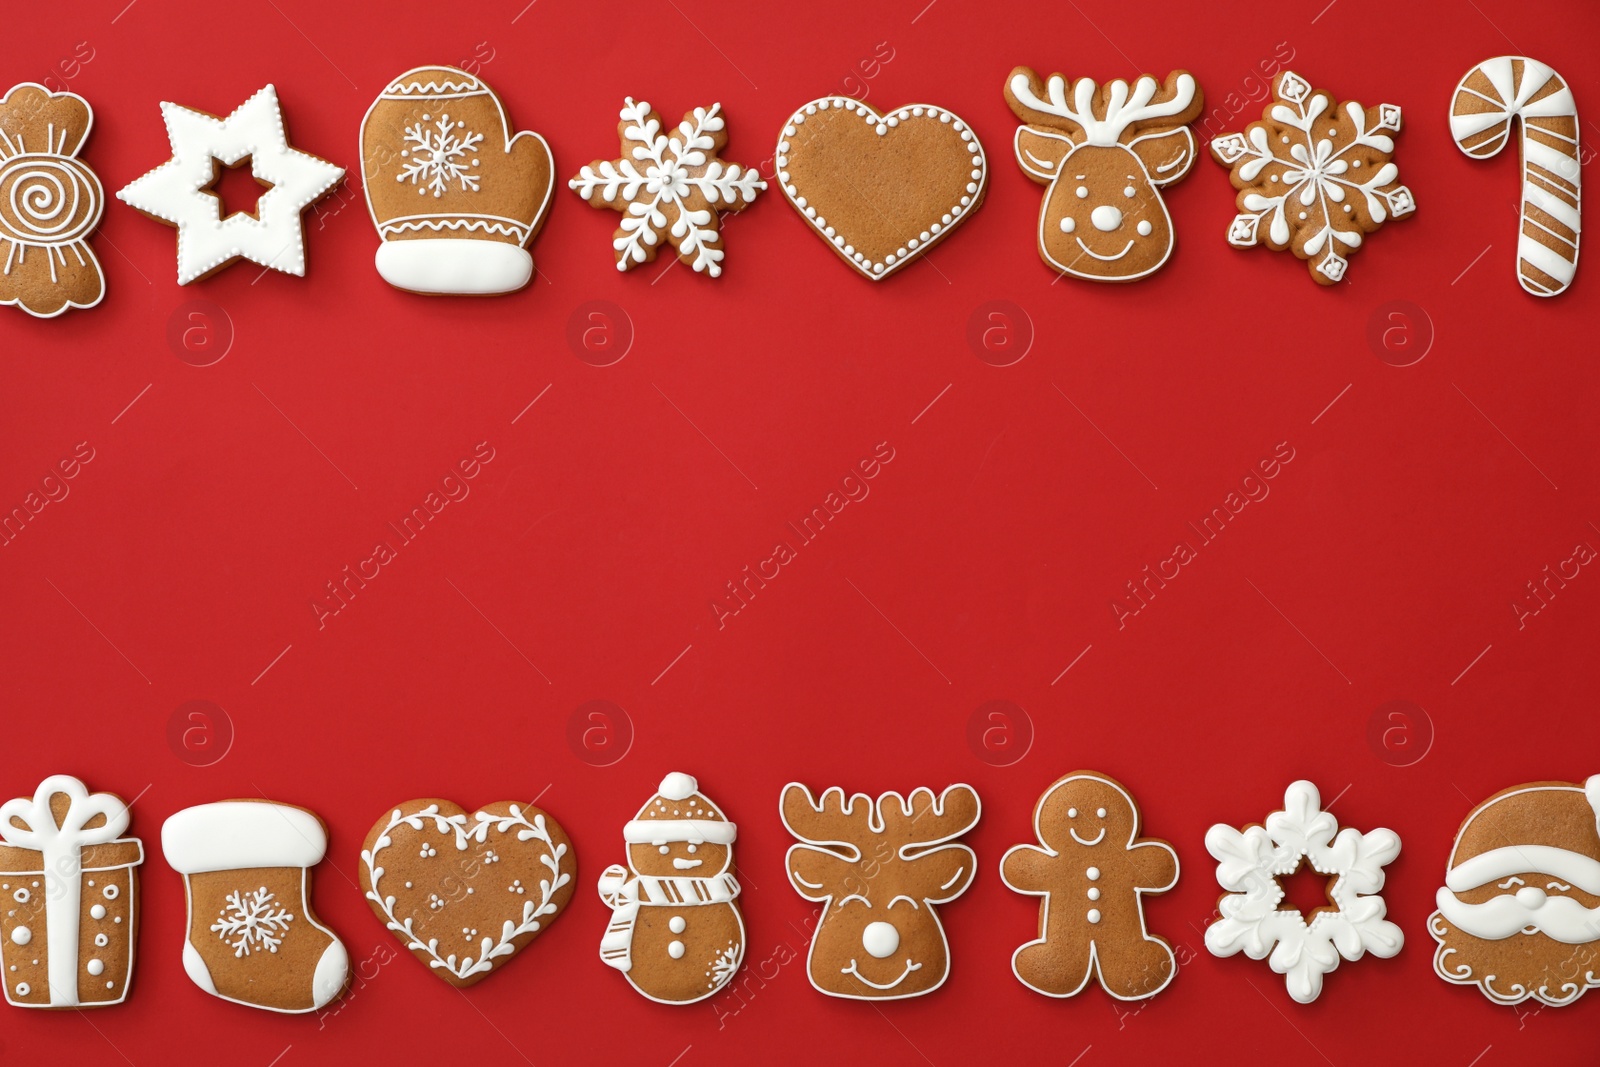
1497 863
660 831
448 265
236 834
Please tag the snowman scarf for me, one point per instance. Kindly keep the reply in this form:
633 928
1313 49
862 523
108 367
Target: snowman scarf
625 893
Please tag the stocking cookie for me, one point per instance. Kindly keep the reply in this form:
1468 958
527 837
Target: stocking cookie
1092 869
69 897
1257 921
456 198
50 202
672 187
466 891
1519 911
1105 153
878 867
252 936
881 189
177 192
1313 176
675 928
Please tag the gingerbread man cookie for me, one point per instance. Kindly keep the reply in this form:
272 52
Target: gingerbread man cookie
1092 870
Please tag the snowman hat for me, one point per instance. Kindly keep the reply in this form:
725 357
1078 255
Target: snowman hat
678 812
235 834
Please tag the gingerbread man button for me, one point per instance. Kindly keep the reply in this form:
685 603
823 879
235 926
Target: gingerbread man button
1092 869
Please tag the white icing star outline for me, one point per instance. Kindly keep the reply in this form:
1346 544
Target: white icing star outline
173 192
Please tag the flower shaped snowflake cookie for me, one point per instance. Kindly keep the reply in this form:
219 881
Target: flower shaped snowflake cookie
1314 176
178 191
670 186
1255 919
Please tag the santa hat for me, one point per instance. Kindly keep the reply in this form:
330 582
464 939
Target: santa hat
678 812
1549 827
237 834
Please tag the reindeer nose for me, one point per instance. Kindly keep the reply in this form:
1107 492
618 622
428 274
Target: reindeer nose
880 940
1106 218
1531 897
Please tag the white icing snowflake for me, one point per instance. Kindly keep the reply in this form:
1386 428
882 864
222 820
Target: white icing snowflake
251 922
677 192
437 157
1249 865
726 963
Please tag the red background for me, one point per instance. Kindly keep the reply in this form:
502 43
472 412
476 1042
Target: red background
1383 566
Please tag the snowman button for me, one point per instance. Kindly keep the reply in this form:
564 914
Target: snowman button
1093 874
677 925
1094 893
1094 915
675 949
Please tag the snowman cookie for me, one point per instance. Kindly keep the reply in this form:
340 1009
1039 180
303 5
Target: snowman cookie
675 928
1092 869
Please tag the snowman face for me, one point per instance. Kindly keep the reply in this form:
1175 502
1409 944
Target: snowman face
1087 812
668 859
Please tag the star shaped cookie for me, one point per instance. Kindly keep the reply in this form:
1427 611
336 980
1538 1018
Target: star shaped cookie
176 192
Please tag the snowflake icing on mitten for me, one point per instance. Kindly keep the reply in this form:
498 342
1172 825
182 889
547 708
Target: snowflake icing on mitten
1314 176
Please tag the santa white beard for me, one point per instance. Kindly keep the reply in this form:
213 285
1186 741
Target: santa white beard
1561 918
1510 970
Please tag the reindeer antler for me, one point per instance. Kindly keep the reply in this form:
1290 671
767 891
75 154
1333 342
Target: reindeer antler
1123 110
830 822
922 819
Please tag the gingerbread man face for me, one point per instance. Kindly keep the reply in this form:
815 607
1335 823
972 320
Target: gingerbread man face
1087 811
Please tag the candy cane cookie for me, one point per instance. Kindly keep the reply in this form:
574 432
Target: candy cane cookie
1494 93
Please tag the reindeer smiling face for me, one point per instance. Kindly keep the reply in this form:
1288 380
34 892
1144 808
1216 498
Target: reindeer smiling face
879 867
1105 154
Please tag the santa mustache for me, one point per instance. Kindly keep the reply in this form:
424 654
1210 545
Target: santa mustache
1561 918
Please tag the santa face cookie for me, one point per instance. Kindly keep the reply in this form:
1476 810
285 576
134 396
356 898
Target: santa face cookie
1255 919
252 936
671 187
1092 869
466 891
1519 911
177 192
675 930
50 202
1492 95
1314 176
881 189
456 198
1105 152
878 867
69 897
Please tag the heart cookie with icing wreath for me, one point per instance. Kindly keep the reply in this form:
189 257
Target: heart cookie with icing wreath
881 189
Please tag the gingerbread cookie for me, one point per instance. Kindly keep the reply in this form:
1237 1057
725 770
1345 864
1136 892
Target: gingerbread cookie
1105 152
252 937
1519 911
878 867
1092 869
672 187
1313 176
177 192
1256 920
69 897
456 198
50 202
1494 93
675 928
881 189
465 892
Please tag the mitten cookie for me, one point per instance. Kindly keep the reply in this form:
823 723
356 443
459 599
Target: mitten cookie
881 189
50 202
456 198
675 928
1092 869
465 892
252 936
1313 176
1519 911
878 867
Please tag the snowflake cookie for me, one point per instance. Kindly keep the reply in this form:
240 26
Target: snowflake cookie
669 186
178 191
1254 919
1314 176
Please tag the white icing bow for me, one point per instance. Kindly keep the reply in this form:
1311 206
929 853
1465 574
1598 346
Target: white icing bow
40 831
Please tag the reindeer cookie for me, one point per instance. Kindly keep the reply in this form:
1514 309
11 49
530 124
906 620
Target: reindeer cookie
1105 152
1092 870
878 867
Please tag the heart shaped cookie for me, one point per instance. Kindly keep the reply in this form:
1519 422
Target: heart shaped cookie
464 891
880 189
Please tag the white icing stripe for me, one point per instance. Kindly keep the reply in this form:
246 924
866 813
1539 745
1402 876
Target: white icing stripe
1548 260
1582 871
660 831
1555 207
1549 157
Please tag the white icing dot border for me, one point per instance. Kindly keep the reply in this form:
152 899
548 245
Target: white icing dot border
915 244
